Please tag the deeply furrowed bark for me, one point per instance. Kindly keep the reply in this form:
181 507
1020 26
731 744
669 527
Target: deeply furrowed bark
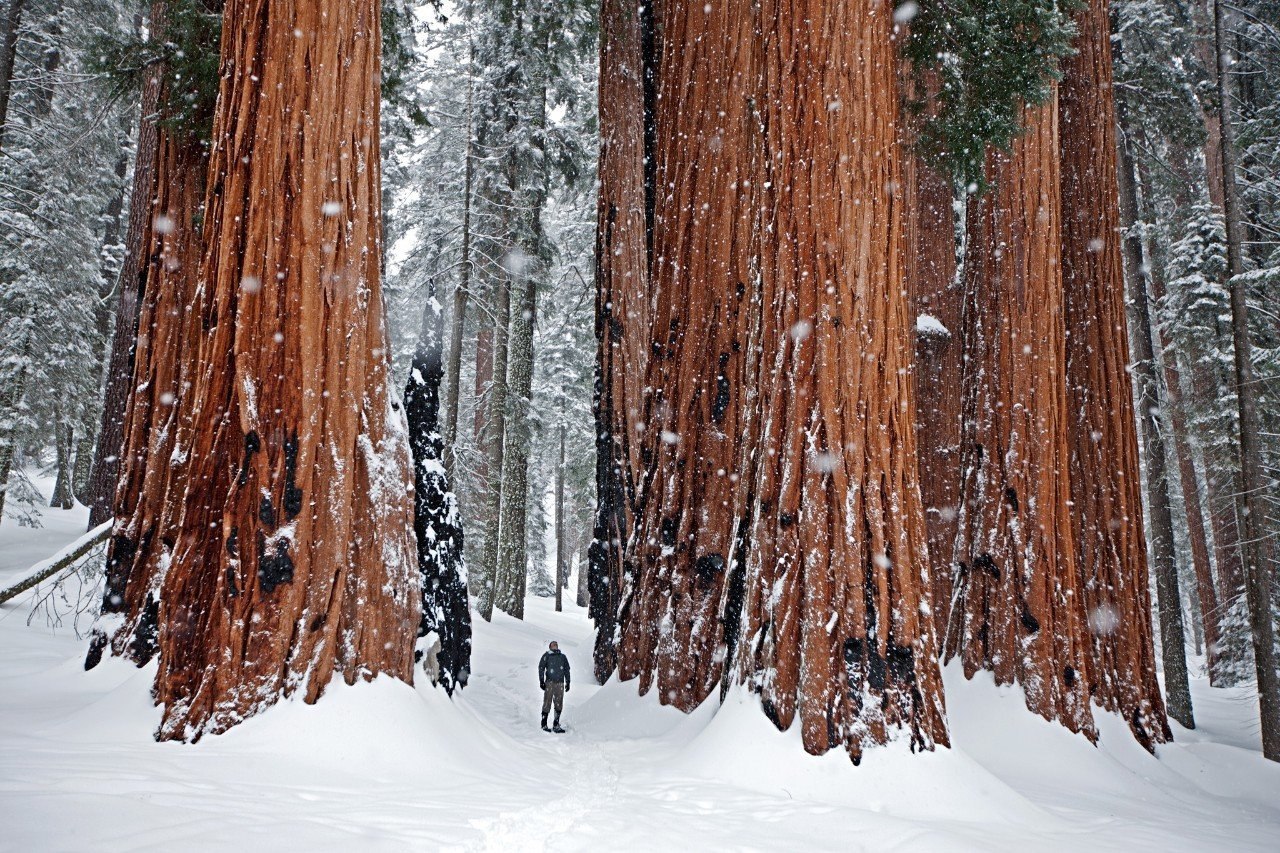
164 336
293 559
1017 594
936 294
624 301
1106 499
779 533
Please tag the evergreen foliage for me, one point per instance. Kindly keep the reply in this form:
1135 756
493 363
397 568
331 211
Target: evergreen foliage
989 58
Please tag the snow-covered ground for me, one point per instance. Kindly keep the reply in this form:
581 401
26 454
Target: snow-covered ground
384 766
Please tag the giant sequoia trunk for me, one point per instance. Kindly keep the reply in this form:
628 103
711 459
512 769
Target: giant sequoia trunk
293 559
160 335
1017 599
1106 503
938 300
778 532
624 300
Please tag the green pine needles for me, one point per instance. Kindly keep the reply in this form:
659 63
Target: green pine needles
188 53
975 64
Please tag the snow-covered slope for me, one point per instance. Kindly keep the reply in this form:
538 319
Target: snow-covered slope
384 766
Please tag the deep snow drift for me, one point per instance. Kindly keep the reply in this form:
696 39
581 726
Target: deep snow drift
385 766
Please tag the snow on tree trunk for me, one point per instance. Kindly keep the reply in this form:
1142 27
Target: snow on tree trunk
780 538
1106 496
1257 565
624 301
8 58
1017 603
494 431
444 634
512 568
63 439
294 558
937 298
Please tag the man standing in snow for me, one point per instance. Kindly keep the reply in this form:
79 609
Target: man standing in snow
553 675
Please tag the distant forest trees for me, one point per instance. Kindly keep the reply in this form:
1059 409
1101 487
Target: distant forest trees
827 344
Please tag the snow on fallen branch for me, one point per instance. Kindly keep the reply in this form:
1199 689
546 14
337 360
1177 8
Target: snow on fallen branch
64 559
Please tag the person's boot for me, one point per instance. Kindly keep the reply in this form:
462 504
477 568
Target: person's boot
544 724
556 728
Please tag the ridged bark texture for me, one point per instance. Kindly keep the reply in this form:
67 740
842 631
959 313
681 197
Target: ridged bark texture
1106 496
294 559
937 296
779 535
1017 609
150 477
624 304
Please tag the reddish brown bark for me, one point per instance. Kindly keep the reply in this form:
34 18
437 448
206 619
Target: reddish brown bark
294 559
624 300
937 296
1105 476
149 473
1017 612
779 532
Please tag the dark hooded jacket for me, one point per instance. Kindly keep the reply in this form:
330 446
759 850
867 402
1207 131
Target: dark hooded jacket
554 666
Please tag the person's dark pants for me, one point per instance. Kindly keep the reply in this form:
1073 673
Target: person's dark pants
554 693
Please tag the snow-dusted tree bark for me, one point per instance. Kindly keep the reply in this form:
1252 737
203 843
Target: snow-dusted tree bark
444 634
1017 598
1139 273
8 58
1106 497
624 299
494 429
779 540
63 439
160 319
293 560
937 297
1257 567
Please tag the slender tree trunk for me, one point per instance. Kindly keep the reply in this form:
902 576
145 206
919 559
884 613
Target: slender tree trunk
461 294
1138 267
444 634
1146 276
105 474
1017 604
294 560
494 432
1105 472
1257 569
512 559
62 498
562 550
780 541
1206 592
8 58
